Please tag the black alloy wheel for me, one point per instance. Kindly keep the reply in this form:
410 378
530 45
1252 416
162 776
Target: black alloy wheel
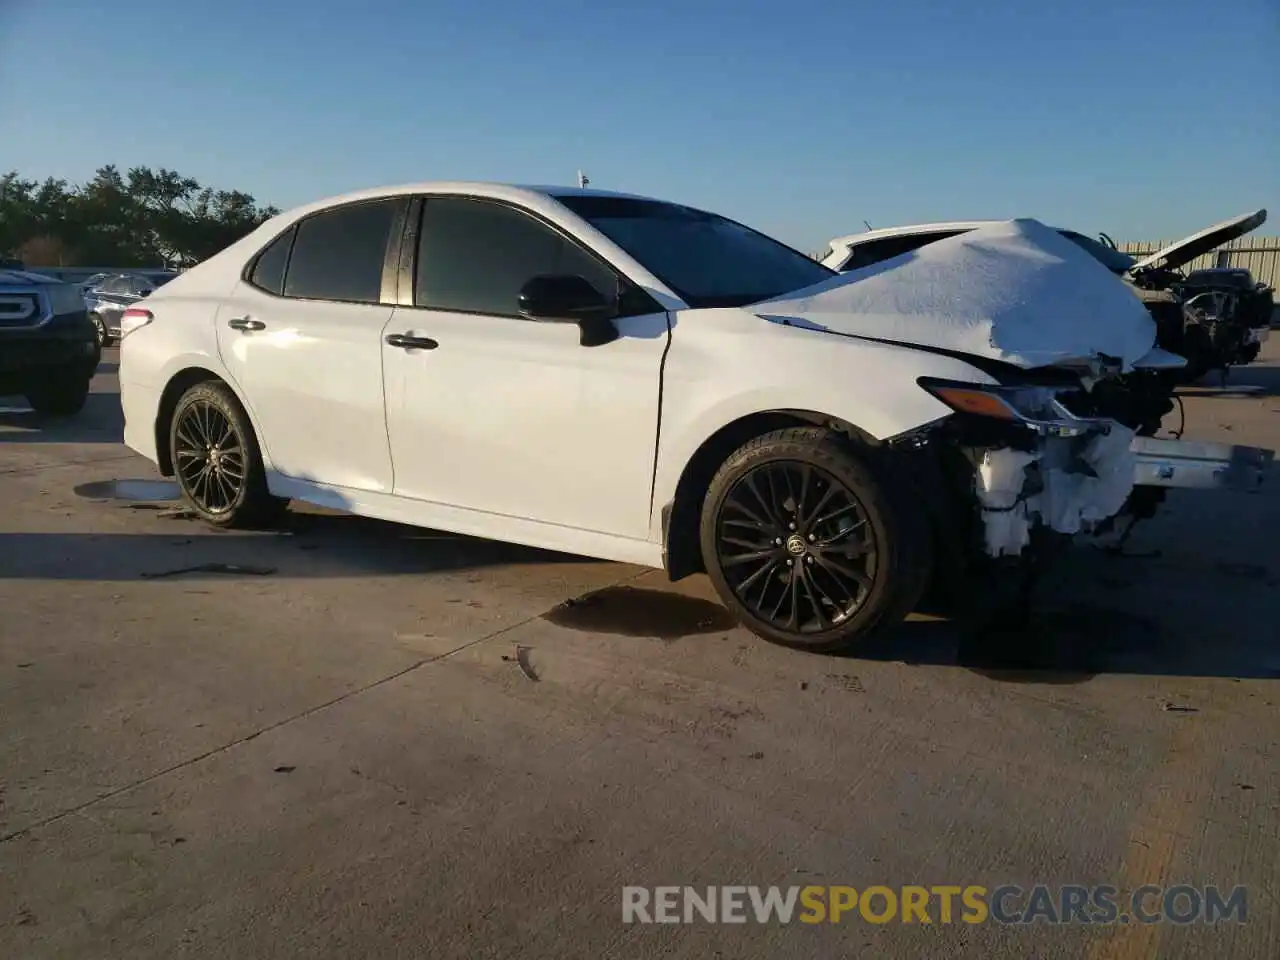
209 457
216 461
796 546
809 544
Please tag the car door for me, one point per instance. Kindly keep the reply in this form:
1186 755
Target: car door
301 335
510 416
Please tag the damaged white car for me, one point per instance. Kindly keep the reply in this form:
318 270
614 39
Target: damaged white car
640 381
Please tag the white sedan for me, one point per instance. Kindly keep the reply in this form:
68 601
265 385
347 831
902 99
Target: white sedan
640 381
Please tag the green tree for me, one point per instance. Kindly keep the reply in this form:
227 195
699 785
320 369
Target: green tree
139 218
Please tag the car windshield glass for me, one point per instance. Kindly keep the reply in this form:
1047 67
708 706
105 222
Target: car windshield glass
1113 260
707 260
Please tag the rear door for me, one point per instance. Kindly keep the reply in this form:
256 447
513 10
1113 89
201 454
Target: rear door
302 337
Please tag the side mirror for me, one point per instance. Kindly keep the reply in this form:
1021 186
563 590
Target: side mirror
568 298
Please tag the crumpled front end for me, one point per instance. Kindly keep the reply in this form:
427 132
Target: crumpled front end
1056 456
1068 484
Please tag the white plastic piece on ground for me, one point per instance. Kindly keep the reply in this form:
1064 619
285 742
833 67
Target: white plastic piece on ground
1015 291
1070 500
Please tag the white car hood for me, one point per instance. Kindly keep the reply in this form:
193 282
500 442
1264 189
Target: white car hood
1014 291
1210 238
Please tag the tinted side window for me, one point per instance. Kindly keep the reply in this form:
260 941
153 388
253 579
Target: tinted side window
474 256
338 254
268 272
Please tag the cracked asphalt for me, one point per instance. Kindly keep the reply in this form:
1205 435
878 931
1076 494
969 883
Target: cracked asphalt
348 738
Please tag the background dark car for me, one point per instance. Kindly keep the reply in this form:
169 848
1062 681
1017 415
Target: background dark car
48 350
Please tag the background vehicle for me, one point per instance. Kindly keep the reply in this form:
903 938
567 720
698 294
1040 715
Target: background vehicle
112 295
640 381
1208 340
48 348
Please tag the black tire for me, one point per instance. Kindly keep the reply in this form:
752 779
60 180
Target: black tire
829 492
104 338
60 395
216 460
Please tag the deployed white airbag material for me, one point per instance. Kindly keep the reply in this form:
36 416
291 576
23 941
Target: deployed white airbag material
1015 291
1068 490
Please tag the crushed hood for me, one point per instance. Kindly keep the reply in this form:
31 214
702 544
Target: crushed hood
1198 244
1015 291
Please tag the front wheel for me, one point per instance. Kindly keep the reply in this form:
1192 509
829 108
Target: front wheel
807 546
61 395
216 460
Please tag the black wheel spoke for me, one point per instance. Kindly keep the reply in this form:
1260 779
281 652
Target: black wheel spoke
793 588
842 571
818 507
819 615
796 512
750 557
760 576
782 599
838 512
841 534
766 504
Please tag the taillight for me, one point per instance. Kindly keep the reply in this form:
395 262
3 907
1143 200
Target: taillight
133 319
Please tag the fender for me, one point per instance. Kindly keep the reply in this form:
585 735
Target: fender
868 386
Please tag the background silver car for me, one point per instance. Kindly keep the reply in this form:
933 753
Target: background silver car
114 294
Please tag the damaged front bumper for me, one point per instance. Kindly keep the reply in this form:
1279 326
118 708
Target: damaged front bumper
1053 458
1070 484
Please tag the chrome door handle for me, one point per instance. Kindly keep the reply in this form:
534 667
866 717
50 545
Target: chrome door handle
406 342
246 323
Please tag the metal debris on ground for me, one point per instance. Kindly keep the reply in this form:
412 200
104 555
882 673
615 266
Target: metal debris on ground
229 568
1168 707
521 659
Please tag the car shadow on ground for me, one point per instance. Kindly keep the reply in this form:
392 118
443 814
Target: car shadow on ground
99 422
1103 615
303 546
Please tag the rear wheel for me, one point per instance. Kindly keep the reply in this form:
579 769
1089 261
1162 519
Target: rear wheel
216 460
104 338
60 394
807 546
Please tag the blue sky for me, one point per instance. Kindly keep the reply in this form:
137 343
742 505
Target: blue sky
1143 118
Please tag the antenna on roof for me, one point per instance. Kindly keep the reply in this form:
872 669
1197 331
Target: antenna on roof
582 179
867 225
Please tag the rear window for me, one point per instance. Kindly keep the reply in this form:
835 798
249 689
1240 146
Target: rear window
339 254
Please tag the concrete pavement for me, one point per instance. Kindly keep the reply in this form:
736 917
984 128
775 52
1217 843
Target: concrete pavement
379 741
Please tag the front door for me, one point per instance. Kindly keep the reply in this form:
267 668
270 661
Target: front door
302 337
510 416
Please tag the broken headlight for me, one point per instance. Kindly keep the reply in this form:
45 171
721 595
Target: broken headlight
1038 408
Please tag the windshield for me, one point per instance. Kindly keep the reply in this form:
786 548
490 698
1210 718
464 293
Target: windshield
707 260
1113 260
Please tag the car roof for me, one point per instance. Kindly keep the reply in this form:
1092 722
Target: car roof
517 193
913 229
